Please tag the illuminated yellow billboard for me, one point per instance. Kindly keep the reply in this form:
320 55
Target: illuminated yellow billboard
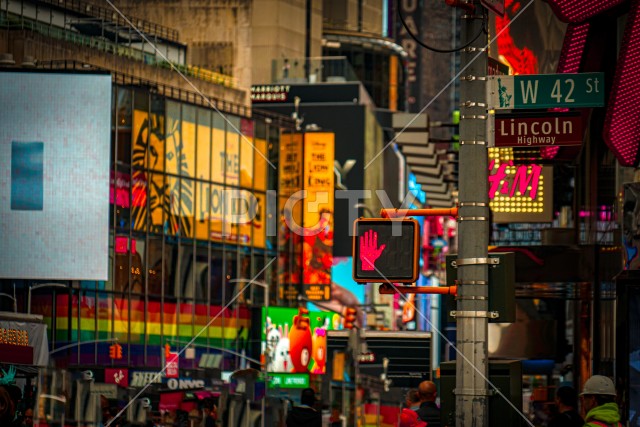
199 197
317 254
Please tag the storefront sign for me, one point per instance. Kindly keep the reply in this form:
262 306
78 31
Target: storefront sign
270 93
141 379
184 383
110 391
14 336
289 380
172 366
117 376
520 193
367 357
518 131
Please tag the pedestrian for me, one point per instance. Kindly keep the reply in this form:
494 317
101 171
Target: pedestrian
7 409
305 415
409 416
428 411
210 413
566 402
598 402
412 399
335 420
28 418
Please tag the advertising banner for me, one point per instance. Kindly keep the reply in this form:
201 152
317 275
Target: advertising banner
172 370
117 376
319 182
191 143
289 243
295 341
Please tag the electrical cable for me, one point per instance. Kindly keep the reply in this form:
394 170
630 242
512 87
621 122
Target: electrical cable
413 36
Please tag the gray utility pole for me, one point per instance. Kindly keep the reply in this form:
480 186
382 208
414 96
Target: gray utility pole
473 230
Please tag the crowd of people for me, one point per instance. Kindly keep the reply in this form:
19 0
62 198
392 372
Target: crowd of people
597 401
420 409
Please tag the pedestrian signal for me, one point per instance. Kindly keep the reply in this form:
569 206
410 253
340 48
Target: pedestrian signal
386 250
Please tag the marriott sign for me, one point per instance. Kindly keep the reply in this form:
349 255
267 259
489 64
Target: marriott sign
527 131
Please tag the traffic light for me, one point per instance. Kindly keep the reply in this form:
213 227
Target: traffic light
386 250
349 318
115 351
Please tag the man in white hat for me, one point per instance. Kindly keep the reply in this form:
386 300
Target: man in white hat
598 401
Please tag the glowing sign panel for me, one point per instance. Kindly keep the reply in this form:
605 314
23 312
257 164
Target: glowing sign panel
518 193
386 250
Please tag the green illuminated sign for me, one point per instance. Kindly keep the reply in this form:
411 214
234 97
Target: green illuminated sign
288 380
546 91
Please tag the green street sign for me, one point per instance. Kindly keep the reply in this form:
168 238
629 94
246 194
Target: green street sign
288 380
546 91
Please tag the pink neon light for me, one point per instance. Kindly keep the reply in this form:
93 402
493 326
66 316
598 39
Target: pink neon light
369 250
621 126
121 245
573 11
521 180
575 41
521 59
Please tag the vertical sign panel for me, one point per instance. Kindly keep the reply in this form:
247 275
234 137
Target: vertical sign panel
289 242
318 214
411 12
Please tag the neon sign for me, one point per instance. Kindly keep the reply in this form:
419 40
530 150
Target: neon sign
526 180
517 193
621 128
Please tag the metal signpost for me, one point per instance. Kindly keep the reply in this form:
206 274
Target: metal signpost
472 307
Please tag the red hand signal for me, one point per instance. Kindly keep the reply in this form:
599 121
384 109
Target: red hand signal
369 251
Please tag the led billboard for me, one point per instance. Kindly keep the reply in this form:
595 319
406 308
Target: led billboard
295 341
54 175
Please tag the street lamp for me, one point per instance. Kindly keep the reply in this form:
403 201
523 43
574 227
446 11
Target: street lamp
15 301
42 285
264 286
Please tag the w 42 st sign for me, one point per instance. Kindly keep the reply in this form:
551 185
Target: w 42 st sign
546 91
386 250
